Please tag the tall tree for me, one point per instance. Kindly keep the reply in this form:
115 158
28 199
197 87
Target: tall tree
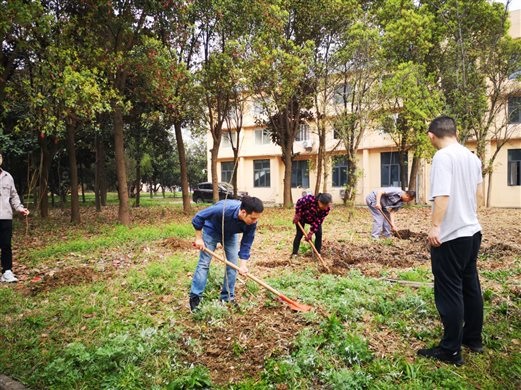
360 69
281 77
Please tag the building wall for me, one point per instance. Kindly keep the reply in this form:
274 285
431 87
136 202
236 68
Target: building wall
515 23
373 144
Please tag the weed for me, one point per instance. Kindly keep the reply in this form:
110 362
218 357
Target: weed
197 377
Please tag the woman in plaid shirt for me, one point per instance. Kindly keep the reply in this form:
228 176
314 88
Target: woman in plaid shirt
311 210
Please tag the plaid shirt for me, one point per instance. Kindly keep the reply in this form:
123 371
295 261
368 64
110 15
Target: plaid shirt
309 212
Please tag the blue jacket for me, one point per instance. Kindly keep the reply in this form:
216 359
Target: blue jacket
211 220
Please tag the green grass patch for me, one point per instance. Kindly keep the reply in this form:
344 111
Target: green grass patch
111 237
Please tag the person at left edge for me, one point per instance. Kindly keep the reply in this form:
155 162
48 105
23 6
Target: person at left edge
9 200
236 217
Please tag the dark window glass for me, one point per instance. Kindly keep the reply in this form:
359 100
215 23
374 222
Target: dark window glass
339 171
514 167
261 173
226 171
390 169
514 109
300 174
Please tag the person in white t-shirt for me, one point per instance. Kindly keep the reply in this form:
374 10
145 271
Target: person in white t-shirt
455 239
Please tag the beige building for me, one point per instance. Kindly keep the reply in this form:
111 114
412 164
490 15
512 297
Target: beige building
261 170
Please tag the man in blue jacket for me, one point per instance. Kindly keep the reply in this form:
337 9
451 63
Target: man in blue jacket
222 223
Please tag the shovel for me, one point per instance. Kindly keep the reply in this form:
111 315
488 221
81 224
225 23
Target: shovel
314 248
291 303
389 222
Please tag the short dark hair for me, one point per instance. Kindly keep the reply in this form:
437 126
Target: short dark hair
411 193
443 126
324 198
252 204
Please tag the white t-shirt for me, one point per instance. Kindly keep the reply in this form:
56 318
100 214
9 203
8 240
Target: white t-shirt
456 173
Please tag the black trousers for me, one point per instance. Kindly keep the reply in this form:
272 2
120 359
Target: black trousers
457 291
299 235
6 234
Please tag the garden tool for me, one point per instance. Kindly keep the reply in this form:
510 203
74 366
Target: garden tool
314 248
389 222
291 303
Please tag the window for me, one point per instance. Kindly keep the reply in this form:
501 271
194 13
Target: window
514 109
339 174
226 171
262 137
226 139
261 173
302 132
390 169
342 94
514 167
258 109
300 174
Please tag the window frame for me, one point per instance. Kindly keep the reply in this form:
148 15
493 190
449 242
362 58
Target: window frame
335 166
514 161
394 162
263 172
514 107
229 172
265 137
299 174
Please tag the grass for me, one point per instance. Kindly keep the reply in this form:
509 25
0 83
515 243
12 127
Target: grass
131 331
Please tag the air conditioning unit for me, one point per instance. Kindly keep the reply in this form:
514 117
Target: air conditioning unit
307 144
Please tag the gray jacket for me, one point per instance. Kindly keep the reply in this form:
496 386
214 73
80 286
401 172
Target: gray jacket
9 199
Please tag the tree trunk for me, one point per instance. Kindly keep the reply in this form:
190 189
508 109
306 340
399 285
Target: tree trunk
414 173
138 182
288 201
71 149
100 187
82 181
320 157
121 171
214 152
183 167
43 186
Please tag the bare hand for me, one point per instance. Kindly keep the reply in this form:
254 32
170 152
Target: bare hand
199 244
308 236
434 237
24 212
243 269
378 206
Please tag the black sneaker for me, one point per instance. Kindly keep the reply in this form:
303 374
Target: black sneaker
194 302
442 355
476 348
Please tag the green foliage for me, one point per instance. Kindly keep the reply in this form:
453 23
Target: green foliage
194 378
112 363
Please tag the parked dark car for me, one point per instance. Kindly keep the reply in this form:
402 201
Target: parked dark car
203 192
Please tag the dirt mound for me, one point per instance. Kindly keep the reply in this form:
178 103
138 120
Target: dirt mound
500 249
64 277
406 234
344 256
175 243
273 263
239 349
